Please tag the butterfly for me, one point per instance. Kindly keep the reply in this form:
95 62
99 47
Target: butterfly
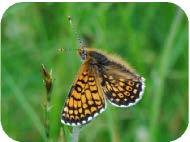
100 79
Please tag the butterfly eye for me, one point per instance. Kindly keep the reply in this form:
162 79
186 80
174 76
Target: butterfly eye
83 53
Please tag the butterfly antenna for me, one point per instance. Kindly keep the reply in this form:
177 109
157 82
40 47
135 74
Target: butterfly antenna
79 39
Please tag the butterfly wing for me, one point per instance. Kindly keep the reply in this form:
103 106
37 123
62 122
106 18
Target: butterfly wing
122 87
85 100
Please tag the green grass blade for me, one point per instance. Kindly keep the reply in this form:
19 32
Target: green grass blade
163 69
19 96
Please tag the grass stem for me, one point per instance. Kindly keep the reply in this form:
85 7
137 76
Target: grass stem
47 78
75 134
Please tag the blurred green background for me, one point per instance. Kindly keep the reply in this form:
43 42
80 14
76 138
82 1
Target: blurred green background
152 37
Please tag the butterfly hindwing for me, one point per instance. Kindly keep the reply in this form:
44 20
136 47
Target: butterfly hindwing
122 87
85 100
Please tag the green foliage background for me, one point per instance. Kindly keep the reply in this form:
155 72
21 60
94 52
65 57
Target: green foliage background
152 37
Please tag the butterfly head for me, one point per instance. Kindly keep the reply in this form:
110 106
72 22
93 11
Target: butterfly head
82 52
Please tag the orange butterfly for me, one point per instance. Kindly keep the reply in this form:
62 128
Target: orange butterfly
100 78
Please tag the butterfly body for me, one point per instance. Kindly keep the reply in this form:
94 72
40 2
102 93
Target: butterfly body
100 78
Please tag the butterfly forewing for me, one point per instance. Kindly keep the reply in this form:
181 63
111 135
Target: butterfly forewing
85 100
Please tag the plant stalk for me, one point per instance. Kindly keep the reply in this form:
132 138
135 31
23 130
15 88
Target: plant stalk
47 78
75 134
